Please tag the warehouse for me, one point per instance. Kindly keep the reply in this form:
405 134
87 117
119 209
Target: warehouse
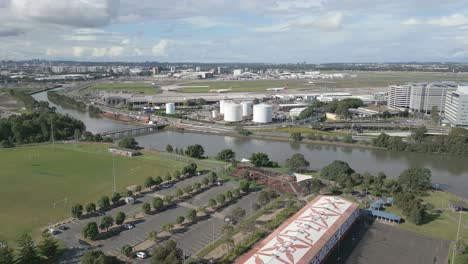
308 236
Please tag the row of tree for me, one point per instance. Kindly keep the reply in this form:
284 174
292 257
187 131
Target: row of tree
456 142
27 252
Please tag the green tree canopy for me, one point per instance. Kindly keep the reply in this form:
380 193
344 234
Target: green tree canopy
90 230
226 155
195 151
128 142
297 163
415 179
335 169
26 252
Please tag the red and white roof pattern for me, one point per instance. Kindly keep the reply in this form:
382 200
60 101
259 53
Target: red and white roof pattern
302 236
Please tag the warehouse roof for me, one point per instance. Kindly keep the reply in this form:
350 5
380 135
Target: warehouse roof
300 238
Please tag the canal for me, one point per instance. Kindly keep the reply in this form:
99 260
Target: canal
450 172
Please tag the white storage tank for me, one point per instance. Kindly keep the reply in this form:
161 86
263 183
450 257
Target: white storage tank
232 112
262 113
221 105
170 108
214 113
246 108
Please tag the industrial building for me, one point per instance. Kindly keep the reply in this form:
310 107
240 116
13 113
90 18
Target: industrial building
232 112
399 96
262 113
308 236
295 112
328 97
456 106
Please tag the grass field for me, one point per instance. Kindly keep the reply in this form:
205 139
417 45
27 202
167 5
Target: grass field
363 79
143 88
443 226
34 177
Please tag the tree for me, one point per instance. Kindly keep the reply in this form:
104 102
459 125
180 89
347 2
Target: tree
104 202
196 185
190 169
158 180
179 192
176 175
418 134
90 208
348 138
27 253
212 203
297 163
149 181
244 186
416 216
180 219
126 250
167 199
381 141
128 142
191 215
188 189
97 257
168 254
168 227
237 213
138 188
168 177
260 159
227 229
205 181
77 210
228 195
226 155
195 151
120 218
169 148
158 203
236 192
415 179
6 254
115 197
106 222
220 198
146 208
153 235
212 177
48 247
335 169
90 231
296 136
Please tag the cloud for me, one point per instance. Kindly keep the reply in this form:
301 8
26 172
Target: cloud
445 21
99 52
76 13
161 49
328 22
11 31
201 22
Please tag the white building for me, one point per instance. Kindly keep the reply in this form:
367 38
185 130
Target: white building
237 72
399 96
456 106
425 96
295 112
328 97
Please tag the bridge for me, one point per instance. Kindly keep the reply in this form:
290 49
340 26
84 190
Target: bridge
133 131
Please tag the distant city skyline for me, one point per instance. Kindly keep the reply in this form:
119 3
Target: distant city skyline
210 31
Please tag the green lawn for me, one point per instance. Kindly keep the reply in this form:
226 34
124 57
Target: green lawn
242 86
143 88
443 226
34 177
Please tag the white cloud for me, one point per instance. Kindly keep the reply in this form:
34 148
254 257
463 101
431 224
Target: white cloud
201 21
99 52
328 22
81 13
445 21
161 49
78 51
115 51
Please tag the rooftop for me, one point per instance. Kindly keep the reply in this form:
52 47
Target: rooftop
302 236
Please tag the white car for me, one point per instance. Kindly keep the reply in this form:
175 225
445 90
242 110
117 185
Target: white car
141 254
128 226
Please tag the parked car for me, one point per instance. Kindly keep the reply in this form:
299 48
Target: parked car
219 183
141 254
128 226
63 227
197 173
53 231
166 186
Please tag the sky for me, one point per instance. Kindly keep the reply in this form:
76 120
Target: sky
270 31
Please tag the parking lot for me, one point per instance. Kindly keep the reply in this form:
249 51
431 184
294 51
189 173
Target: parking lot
191 240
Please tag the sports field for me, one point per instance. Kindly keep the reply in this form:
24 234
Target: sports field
33 178
362 79
142 88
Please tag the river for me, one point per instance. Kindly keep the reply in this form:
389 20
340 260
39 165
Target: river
450 172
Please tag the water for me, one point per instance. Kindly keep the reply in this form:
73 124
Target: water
93 124
450 172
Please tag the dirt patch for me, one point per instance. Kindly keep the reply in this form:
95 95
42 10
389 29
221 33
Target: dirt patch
223 249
